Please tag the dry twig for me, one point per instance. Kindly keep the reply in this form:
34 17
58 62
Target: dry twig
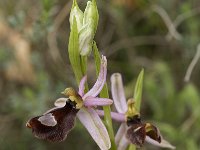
192 64
182 17
170 25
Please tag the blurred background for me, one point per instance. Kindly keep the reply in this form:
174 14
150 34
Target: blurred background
160 36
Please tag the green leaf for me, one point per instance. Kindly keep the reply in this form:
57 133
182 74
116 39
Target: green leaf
138 90
104 93
73 49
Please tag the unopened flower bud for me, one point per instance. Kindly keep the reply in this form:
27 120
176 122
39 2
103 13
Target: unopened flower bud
90 21
78 14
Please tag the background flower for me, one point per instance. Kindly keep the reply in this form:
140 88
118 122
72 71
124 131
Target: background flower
119 100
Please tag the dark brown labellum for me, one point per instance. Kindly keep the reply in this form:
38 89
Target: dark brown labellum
133 120
136 134
55 124
138 131
153 132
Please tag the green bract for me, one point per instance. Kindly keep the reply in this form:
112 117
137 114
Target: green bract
138 90
73 49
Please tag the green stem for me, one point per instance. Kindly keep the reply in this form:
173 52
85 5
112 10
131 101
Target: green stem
107 118
104 93
84 60
84 64
132 147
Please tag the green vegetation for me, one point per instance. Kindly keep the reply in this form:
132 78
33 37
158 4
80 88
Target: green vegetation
159 36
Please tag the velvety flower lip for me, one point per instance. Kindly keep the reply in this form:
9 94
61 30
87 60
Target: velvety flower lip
55 124
87 115
143 131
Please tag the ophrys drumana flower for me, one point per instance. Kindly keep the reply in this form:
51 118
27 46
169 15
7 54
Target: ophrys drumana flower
133 129
55 124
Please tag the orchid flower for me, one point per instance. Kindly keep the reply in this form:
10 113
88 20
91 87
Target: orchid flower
132 129
57 124
87 115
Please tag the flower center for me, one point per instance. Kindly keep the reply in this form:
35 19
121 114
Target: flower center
132 111
73 97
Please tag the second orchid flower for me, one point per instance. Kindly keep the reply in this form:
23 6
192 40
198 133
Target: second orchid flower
132 129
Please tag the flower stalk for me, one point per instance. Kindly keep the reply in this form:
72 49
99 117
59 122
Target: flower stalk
83 28
104 93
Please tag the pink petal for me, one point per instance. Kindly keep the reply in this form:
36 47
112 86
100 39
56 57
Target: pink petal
120 138
163 144
123 144
121 131
82 86
118 93
92 122
60 102
115 116
92 101
96 89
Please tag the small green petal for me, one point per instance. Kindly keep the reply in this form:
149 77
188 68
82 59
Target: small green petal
138 90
